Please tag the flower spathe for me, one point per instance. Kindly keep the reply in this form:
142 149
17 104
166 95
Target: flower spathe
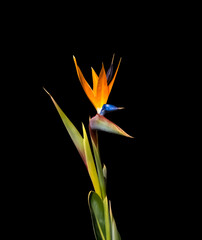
102 85
99 122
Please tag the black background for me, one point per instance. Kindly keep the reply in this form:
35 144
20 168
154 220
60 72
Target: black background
49 184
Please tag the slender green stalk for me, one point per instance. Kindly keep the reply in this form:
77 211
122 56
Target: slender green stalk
102 184
107 219
104 225
99 167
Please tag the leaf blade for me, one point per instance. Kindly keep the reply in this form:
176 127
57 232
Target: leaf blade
97 215
94 140
114 230
71 129
90 163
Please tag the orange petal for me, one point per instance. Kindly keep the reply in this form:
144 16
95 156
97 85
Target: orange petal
95 81
102 88
84 84
112 82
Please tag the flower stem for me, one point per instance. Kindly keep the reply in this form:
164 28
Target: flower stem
107 220
99 167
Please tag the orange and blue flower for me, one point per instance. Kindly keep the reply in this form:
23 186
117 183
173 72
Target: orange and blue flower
102 86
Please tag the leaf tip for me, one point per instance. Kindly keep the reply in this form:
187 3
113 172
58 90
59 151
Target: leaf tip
46 91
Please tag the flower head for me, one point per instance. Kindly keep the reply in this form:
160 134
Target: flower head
102 85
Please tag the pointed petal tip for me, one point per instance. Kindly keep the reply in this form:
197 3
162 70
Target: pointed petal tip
74 60
119 61
49 95
113 58
46 91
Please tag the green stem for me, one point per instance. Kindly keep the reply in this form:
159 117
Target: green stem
107 219
99 168
102 183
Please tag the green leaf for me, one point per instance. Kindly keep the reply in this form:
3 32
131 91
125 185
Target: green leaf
114 232
97 215
98 162
82 145
90 163
71 129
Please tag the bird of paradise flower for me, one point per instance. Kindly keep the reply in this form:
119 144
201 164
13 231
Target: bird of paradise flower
104 225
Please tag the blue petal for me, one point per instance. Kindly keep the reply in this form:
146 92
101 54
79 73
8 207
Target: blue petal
108 108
